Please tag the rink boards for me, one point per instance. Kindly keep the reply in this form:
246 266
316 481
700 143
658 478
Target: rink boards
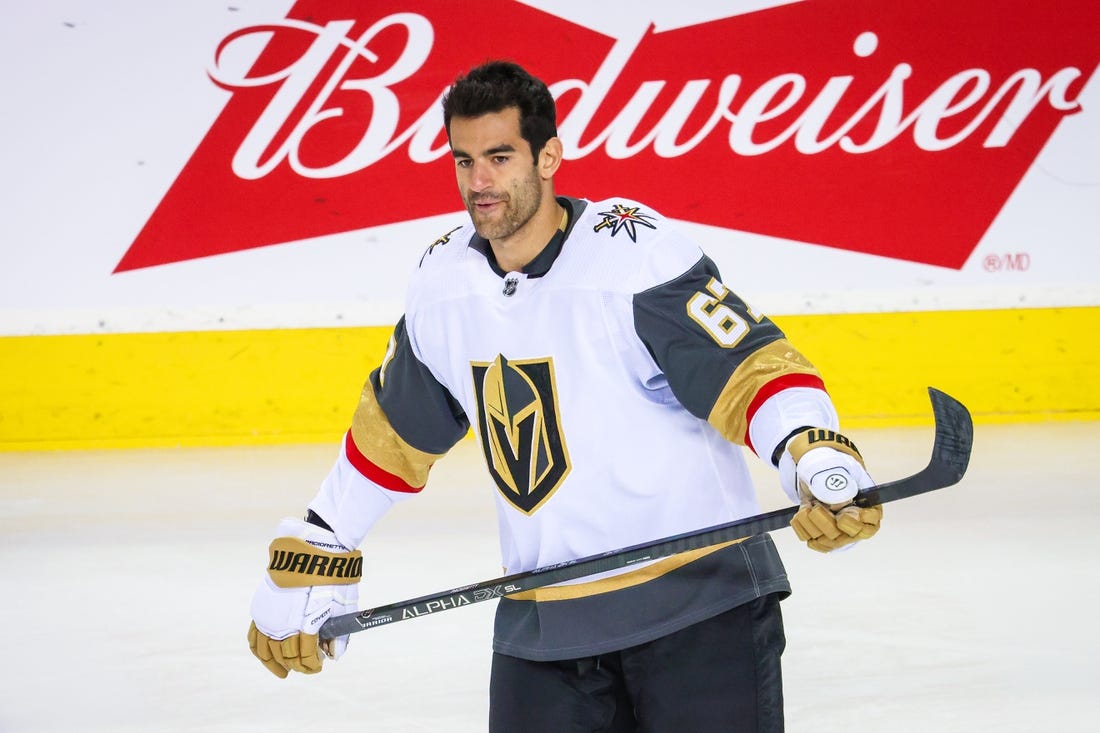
300 385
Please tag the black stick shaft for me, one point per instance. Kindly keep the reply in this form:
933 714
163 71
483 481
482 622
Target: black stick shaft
950 456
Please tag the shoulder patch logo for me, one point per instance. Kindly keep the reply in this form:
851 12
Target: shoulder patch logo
520 429
441 241
624 218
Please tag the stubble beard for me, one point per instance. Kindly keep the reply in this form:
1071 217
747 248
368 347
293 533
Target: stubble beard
520 206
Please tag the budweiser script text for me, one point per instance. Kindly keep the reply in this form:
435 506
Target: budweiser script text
969 98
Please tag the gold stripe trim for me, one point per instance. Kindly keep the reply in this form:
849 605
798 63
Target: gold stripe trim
376 439
618 582
729 414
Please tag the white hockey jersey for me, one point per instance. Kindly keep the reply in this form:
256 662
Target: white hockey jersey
610 384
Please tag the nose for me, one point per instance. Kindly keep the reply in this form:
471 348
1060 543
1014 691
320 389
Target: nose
480 178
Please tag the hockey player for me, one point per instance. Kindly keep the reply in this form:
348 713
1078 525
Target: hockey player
611 377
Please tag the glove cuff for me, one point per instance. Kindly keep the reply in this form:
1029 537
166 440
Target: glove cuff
805 474
311 556
821 438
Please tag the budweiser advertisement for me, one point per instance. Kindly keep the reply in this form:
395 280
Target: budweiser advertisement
880 132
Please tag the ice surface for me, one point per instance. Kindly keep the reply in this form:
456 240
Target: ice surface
127 575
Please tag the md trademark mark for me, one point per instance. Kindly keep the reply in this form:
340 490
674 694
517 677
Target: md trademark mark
1011 262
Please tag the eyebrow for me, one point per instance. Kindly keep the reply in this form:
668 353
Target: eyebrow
455 153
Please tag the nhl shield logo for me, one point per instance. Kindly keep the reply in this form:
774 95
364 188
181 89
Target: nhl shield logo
520 429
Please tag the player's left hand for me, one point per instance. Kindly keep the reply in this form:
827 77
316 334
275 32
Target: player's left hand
825 471
311 577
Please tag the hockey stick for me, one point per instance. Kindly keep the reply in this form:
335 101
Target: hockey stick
950 456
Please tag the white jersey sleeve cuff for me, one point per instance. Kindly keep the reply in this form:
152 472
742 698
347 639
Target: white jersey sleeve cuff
785 412
351 503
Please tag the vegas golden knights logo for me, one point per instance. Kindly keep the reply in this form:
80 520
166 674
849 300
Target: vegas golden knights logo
520 429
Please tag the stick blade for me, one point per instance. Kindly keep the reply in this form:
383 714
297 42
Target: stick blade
950 454
954 436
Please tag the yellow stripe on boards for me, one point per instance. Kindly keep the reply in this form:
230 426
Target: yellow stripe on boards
1025 365
302 385
184 388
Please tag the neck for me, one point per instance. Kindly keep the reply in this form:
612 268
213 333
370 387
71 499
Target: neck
513 253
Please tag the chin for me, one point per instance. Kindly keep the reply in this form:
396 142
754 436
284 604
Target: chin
487 230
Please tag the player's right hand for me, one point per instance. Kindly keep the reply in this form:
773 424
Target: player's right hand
827 472
310 578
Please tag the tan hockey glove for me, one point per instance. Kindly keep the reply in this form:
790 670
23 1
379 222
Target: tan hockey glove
310 578
825 471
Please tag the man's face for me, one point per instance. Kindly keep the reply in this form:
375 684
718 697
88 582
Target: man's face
497 177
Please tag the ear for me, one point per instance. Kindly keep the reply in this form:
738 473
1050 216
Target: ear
550 158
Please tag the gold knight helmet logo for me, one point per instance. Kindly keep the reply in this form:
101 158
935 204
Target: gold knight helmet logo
520 429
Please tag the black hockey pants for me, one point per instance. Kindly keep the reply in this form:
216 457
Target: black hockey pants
722 674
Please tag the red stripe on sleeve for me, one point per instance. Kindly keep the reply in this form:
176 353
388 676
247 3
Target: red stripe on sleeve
774 387
383 478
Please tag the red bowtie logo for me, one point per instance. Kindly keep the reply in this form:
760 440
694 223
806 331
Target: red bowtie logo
898 132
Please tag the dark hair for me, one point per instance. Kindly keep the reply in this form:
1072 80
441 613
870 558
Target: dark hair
496 86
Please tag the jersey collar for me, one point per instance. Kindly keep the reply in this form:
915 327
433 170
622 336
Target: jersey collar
544 259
